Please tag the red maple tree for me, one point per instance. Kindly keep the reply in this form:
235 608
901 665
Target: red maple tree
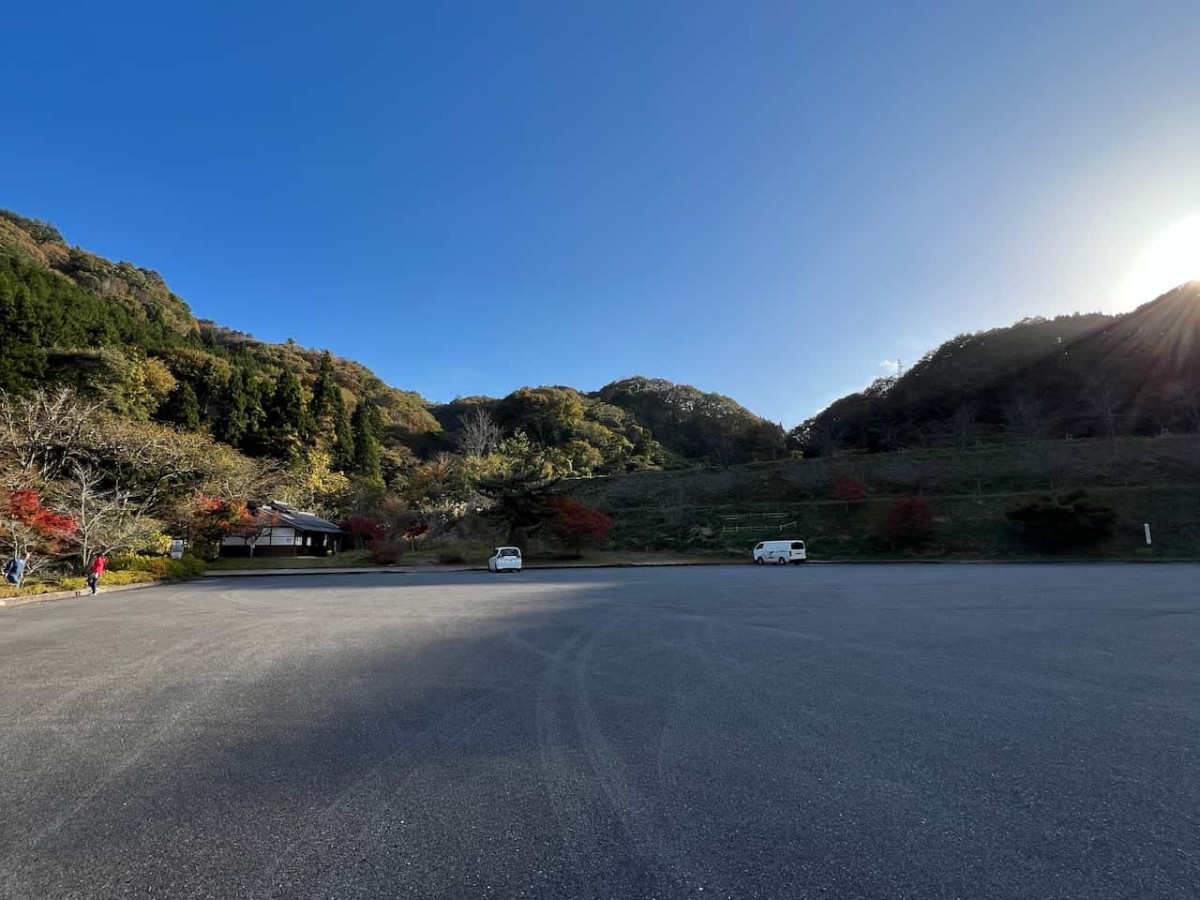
850 490
28 526
909 523
576 524
363 529
212 518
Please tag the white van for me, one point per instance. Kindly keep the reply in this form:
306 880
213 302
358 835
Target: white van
780 552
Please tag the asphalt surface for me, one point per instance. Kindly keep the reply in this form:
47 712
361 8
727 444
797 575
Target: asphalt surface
828 732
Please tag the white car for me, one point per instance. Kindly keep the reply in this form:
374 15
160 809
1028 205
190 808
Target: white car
506 559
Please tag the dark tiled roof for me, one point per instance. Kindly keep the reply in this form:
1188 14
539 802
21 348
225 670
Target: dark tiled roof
303 521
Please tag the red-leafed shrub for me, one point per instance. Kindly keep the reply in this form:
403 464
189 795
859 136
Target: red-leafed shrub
576 524
909 523
850 490
364 531
416 530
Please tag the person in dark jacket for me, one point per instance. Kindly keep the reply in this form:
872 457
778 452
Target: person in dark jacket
14 572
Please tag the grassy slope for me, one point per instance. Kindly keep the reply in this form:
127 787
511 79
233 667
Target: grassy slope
1154 480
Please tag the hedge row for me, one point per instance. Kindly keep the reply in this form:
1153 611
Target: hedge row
121 570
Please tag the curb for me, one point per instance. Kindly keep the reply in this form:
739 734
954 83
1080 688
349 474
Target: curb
271 573
437 570
13 602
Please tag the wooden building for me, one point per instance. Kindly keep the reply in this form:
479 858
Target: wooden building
285 531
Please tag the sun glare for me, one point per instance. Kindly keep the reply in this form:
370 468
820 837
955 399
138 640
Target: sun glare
1168 261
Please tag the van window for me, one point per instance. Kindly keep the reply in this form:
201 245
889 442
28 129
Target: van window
758 547
797 545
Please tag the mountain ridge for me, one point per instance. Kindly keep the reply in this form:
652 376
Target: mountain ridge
123 326
1082 375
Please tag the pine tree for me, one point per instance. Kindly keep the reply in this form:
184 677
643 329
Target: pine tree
208 391
258 397
182 407
366 442
343 448
22 359
286 409
233 418
287 428
325 393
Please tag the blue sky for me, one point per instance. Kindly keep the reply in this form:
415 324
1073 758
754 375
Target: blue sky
762 199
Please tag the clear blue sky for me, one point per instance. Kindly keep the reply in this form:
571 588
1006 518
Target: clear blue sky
763 199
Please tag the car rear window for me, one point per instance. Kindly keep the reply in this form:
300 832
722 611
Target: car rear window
510 551
797 545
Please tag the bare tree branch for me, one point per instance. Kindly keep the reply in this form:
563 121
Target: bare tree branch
40 434
480 433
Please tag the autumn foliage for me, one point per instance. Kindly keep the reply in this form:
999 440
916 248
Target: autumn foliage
909 523
364 530
576 524
850 490
30 526
212 518
25 506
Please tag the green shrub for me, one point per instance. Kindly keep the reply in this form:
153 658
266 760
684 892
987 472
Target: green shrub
451 554
1059 524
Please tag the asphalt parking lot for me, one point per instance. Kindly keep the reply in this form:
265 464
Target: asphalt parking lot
821 731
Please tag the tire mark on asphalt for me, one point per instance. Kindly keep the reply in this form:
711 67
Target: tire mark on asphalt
153 741
578 830
648 840
124 673
102 684
525 644
460 720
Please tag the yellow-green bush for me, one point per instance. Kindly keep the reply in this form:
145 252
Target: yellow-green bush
33 588
158 566
121 570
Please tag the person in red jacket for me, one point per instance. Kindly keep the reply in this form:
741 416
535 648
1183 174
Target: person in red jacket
96 570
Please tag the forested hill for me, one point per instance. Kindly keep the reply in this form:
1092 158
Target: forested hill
1080 375
116 332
